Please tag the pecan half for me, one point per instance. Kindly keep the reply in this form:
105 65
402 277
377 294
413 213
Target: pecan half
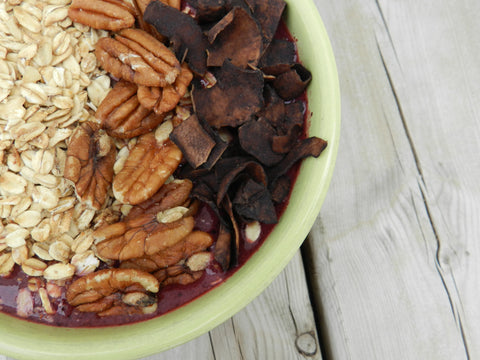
193 243
175 193
103 14
178 274
141 236
90 157
162 100
122 115
136 56
113 292
146 169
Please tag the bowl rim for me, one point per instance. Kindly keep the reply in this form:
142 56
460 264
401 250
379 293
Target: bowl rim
23 339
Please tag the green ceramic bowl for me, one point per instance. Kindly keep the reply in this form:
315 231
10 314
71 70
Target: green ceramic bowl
25 340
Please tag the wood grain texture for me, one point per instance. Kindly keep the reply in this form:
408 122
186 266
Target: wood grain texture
394 255
277 325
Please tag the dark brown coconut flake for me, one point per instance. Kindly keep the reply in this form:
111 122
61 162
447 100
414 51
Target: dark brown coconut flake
193 140
312 146
183 31
230 170
222 248
253 201
268 13
274 110
237 37
233 100
278 57
208 10
256 139
292 83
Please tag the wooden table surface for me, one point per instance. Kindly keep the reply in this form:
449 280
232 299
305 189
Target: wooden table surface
391 268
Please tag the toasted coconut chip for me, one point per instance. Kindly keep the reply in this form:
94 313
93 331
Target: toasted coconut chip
256 139
274 110
230 170
222 250
268 13
217 152
312 146
234 99
284 143
292 83
205 194
254 202
183 31
278 57
235 249
208 10
294 116
193 140
236 37
280 189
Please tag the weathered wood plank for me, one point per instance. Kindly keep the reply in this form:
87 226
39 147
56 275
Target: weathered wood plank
279 324
394 255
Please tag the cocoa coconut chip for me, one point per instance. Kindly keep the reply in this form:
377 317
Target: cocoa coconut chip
183 32
222 250
253 201
256 139
235 249
208 10
274 110
293 116
193 140
233 100
268 13
292 83
312 146
237 37
280 189
282 144
278 57
230 170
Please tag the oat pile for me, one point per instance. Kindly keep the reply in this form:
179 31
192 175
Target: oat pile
49 82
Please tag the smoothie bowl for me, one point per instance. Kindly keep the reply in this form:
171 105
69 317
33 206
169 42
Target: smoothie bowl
161 164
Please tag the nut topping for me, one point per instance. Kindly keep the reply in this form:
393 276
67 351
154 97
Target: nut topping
112 291
136 56
102 14
141 236
194 243
164 100
121 114
148 166
90 158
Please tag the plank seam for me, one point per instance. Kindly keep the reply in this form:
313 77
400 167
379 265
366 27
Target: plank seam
316 305
422 187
